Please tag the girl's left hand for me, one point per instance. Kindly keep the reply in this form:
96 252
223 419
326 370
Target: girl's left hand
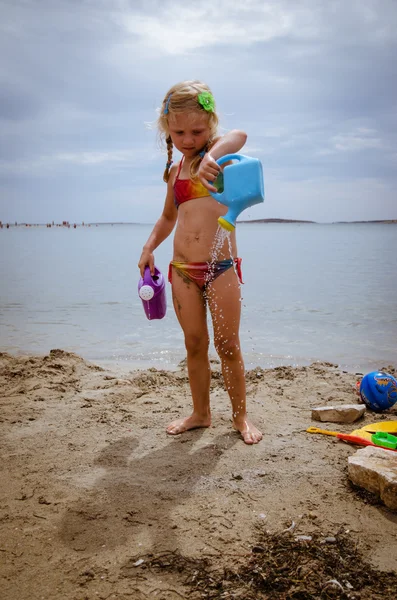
208 172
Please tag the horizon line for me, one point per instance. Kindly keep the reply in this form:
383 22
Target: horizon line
74 224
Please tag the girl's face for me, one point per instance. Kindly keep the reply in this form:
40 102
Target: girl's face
189 132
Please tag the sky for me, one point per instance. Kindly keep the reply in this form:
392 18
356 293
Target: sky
312 82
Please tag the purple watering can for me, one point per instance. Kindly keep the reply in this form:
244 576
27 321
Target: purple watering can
151 290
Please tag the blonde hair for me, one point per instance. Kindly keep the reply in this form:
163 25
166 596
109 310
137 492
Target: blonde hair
183 97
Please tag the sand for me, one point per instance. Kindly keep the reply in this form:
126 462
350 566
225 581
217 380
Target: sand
91 484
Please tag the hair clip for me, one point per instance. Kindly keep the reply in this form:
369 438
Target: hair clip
166 109
202 153
168 164
206 100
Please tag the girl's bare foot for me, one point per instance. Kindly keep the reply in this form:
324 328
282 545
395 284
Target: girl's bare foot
186 423
249 433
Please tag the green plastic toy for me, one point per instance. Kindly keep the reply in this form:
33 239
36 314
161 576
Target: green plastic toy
381 438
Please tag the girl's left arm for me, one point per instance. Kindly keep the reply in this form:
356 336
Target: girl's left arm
230 143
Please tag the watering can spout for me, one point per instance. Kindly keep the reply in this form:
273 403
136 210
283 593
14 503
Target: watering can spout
243 187
226 222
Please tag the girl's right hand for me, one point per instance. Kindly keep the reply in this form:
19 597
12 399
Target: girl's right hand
208 172
147 259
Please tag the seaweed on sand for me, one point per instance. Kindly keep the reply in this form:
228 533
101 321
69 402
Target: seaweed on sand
283 566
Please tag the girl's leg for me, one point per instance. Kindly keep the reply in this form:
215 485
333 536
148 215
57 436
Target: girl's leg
190 309
224 300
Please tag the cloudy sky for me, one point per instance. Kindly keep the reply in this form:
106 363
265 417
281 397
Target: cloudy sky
312 82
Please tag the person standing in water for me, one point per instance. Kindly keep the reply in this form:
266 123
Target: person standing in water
188 122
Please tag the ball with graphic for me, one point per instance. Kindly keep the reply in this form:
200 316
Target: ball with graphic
378 390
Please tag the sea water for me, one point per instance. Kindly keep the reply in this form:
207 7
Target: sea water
311 292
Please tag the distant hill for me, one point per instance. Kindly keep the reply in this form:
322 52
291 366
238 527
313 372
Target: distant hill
276 221
378 221
388 221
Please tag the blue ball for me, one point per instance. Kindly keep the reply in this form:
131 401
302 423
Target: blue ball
378 390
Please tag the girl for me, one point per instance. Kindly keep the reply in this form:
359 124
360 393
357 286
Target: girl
188 122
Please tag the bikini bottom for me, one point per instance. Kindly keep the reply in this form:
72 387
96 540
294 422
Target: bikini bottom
204 273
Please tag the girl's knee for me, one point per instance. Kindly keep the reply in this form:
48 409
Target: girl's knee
197 344
228 349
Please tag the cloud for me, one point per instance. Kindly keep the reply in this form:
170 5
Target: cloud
98 158
172 28
175 27
327 199
42 165
356 141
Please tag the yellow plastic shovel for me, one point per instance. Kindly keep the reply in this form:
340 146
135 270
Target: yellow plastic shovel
349 437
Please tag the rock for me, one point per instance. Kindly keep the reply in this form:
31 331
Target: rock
375 469
345 413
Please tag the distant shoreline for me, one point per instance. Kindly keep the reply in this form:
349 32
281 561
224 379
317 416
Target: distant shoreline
393 221
72 225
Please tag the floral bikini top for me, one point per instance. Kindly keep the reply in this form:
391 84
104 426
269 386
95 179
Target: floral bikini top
186 189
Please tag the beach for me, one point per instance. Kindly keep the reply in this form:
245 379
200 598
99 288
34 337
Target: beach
94 491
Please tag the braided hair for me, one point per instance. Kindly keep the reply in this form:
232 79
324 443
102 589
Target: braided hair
169 162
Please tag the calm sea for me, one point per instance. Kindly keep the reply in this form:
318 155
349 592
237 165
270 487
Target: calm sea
312 292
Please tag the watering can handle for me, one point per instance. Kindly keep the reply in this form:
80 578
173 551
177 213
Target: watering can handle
219 196
228 157
148 278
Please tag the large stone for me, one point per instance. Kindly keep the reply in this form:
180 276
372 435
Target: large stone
375 469
345 413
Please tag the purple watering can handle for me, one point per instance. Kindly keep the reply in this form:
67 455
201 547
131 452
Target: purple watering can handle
147 277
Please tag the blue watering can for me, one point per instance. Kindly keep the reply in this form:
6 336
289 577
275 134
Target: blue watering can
242 187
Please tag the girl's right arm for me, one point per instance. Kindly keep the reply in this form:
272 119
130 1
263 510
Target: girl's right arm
162 228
